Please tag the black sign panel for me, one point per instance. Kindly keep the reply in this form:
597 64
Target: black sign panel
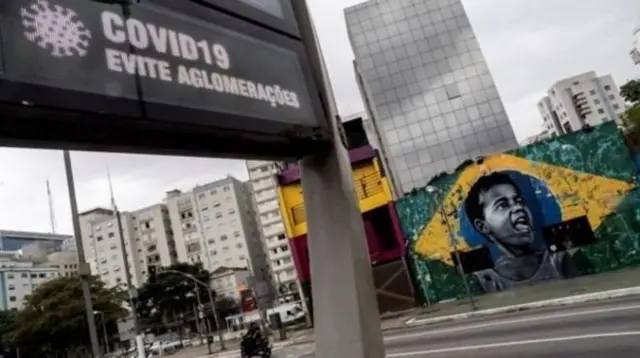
176 62
276 14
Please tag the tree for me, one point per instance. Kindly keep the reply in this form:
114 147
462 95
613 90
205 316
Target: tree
53 321
171 295
631 117
630 91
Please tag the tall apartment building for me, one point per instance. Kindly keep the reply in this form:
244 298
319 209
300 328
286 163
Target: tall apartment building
214 224
585 99
262 176
427 87
148 241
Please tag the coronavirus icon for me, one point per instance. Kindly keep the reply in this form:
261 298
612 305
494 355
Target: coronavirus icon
56 29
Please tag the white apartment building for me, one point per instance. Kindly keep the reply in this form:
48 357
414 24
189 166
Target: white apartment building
230 281
577 101
148 240
19 279
262 176
65 261
214 224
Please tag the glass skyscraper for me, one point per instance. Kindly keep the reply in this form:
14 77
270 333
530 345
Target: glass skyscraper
427 86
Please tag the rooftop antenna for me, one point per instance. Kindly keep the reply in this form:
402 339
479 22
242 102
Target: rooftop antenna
113 199
52 217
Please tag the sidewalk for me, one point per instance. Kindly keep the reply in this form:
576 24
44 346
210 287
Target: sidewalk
560 292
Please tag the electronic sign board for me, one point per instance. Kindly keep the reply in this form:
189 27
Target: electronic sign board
181 64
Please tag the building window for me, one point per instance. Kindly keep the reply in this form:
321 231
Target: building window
453 91
218 215
214 253
226 188
239 245
592 92
607 88
12 287
612 97
213 192
12 298
567 127
236 234
10 276
24 275
212 241
201 196
111 234
600 110
605 119
223 238
596 101
232 211
616 106
206 218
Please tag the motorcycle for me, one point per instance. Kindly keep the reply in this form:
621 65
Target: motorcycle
261 349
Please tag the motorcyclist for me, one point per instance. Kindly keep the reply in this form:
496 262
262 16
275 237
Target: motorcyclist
253 339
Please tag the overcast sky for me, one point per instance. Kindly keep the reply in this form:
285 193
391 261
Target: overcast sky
528 46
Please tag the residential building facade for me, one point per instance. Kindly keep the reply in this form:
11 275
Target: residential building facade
264 185
19 279
585 99
427 87
229 282
215 225
148 240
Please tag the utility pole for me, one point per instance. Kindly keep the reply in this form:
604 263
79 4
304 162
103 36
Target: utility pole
83 267
127 273
52 217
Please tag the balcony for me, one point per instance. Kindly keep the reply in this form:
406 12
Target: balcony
263 184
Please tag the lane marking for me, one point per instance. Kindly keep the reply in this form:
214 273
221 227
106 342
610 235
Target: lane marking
514 343
512 321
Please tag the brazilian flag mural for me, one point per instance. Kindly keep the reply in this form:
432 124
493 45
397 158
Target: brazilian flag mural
503 201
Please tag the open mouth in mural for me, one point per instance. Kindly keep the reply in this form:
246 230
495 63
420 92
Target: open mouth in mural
521 223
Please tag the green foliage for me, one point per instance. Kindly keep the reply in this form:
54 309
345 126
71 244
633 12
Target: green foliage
630 91
53 320
171 294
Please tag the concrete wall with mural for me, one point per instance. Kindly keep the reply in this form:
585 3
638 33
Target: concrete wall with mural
504 200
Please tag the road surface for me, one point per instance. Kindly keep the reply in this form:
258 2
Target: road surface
596 330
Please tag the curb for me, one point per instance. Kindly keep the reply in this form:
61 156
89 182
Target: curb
589 297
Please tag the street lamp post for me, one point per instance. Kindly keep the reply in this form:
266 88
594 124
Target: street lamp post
452 243
83 267
104 331
211 301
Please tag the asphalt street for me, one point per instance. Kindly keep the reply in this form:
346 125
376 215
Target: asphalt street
596 330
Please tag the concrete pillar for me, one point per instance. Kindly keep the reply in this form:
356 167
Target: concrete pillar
347 323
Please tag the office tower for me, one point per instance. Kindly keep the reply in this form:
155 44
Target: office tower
585 99
215 224
427 87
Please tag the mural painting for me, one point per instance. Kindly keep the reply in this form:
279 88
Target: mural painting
503 201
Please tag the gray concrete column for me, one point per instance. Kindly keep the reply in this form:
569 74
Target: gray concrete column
347 323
